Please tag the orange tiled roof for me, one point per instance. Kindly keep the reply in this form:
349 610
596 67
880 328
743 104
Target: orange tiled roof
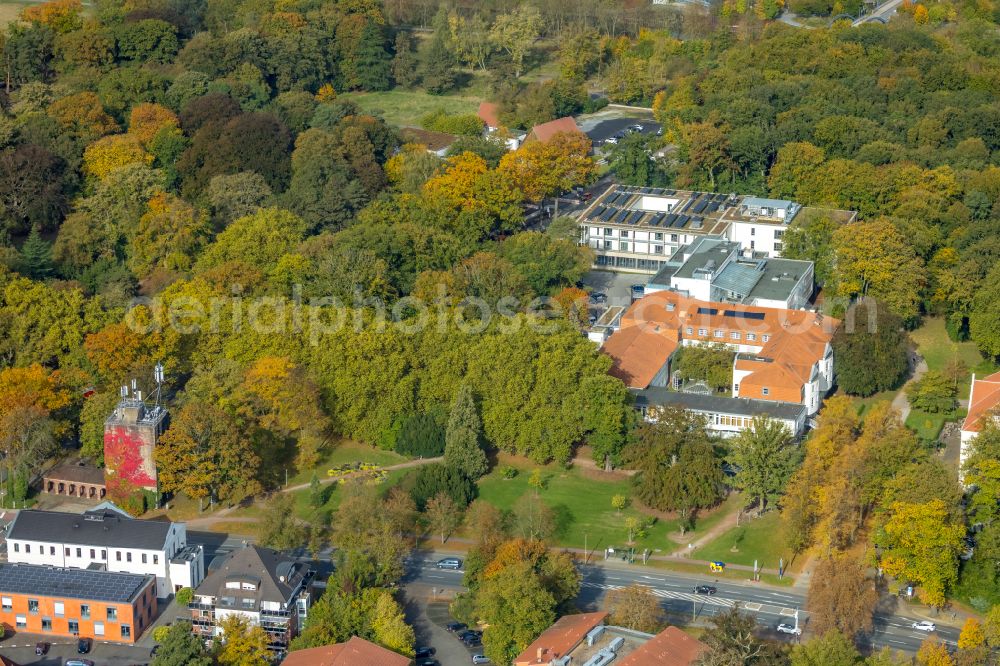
638 353
355 652
670 647
489 113
792 341
546 131
559 639
985 397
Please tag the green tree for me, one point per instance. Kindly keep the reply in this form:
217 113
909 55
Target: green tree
830 649
180 647
429 480
36 256
676 463
732 640
437 61
405 62
810 237
765 459
516 608
243 643
711 363
633 164
515 32
463 438
421 435
934 393
870 349
372 64
280 528
608 417
984 319
443 515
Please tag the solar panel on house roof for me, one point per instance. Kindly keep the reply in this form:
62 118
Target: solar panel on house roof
712 207
680 221
737 314
597 211
699 206
621 216
609 213
657 219
669 220
636 216
708 311
669 191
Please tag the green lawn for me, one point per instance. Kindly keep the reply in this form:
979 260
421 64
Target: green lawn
760 539
403 108
346 451
864 404
583 508
939 350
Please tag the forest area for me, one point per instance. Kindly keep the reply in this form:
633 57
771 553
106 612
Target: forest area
194 183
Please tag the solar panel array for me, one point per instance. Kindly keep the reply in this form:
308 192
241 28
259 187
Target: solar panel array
614 208
708 311
71 583
737 314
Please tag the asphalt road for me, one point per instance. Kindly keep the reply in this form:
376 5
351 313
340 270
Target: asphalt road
770 605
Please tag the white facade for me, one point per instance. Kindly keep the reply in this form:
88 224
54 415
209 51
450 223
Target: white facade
67 553
758 236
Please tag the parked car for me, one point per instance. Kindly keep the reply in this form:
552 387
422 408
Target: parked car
83 646
455 626
472 641
450 563
79 662
705 589
470 632
598 297
424 652
612 139
480 659
635 128
428 662
789 629
924 625
41 648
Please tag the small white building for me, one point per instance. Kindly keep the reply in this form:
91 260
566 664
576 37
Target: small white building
984 400
108 539
759 224
724 416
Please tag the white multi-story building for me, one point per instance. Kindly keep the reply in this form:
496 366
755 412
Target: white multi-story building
636 229
106 538
269 589
717 270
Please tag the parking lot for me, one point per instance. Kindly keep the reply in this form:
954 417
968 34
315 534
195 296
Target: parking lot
428 613
609 121
617 286
20 648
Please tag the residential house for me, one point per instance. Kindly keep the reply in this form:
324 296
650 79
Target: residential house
546 131
670 647
355 652
782 356
62 602
489 113
107 538
269 589
559 640
984 400
436 143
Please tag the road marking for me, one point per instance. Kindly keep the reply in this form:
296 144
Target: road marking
787 611
753 606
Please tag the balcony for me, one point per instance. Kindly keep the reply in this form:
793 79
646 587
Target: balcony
275 613
194 605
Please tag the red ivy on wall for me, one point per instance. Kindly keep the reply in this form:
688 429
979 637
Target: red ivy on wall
122 453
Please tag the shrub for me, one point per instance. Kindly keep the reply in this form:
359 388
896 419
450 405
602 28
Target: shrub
430 480
161 632
183 598
508 471
463 124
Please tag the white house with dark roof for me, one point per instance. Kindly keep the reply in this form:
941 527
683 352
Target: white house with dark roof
269 589
106 538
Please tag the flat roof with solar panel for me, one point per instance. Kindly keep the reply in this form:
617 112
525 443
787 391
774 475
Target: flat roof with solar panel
86 584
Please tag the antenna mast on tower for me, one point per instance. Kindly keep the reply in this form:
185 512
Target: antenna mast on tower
158 377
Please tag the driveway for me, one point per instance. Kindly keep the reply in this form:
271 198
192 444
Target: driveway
427 611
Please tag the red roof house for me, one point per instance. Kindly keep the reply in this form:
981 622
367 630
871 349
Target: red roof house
355 652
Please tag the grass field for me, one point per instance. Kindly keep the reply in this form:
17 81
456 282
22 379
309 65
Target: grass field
403 108
346 451
939 350
760 540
